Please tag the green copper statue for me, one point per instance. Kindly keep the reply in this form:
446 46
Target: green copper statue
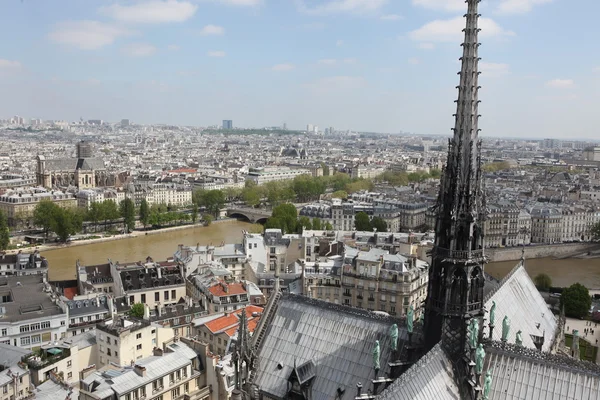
487 385
479 357
376 353
519 338
394 337
493 313
422 316
505 328
473 333
410 317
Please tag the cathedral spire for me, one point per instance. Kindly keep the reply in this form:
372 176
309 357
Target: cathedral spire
456 276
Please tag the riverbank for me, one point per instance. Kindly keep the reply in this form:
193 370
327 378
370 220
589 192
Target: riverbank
56 246
558 251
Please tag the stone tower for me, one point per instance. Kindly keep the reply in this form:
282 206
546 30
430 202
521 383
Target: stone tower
456 276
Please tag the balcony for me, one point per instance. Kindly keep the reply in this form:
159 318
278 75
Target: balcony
347 294
459 255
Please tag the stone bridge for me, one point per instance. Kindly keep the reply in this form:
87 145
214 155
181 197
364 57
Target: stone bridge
254 215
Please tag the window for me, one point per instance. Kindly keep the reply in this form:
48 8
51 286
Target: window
173 294
175 392
131 300
143 297
138 347
138 336
25 341
4 332
186 388
69 375
69 363
166 295
24 328
171 378
156 296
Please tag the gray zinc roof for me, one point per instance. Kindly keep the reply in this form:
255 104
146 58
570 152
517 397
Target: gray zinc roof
518 298
338 340
431 377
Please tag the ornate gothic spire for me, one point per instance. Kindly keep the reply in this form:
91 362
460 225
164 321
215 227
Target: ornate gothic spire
456 275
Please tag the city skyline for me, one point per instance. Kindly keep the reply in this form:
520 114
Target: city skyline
375 65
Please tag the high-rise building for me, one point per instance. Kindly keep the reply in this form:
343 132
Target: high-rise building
310 128
456 279
227 124
125 122
284 126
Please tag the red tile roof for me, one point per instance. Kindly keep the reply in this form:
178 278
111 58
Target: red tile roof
70 292
183 170
232 289
229 323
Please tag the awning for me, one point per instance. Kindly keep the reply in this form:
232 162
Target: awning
54 351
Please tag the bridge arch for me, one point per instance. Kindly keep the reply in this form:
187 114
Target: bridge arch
239 215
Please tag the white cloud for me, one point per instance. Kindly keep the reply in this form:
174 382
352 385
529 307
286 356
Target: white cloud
283 67
350 60
450 30
518 6
248 3
9 64
414 61
391 17
216 53
426 46
173 47
342 6
86 35
560 83
493 70
339 43
212 30
337 83
152 12
444 5
139 49
328 61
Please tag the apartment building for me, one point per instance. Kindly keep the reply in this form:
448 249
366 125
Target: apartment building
174 372
219 331
65 358
30 315
85 311
94 278
231 256
546 224
153 283
23 264
123 340
576 223
18 204
179 317
263 175
171 194
15 378
216 293
502 225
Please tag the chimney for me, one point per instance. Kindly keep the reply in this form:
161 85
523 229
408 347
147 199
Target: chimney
159 272
159 309
358 389
157 352
141 371
87 371
111 307
146 312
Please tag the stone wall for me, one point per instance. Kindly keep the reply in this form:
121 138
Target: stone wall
539 251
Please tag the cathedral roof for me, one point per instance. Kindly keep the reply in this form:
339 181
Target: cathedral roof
338 340
432 377
518 298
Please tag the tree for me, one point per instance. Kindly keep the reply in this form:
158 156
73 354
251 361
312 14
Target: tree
110 211
127 211
4 234
251 195
287 214
339 194
65 222
145 212
95 214
543 282
435 173
328 226
362 222
316 222
576 301
325 169
213 200
137 310
194 215
43 215
379 224
595 231
303 223
208 219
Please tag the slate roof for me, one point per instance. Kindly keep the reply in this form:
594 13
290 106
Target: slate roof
532 375
518 298
432 377
71 164
338 340
145 278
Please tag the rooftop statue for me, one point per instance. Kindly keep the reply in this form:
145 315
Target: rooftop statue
410 317
505 328
479 357
376 353
519 338
473 333
487 385
394 337
493 313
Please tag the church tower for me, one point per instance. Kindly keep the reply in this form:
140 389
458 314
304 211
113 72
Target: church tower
456 276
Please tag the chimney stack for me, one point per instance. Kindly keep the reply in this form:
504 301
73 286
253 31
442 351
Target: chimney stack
358 389
141 371
146 312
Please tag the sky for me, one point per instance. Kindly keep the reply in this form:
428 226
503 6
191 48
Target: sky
366 65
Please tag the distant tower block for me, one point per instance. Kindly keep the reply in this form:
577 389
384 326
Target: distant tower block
84 150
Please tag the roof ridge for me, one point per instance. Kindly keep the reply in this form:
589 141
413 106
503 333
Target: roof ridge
492 292
556 360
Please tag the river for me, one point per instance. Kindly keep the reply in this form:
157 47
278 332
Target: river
564 272
159 246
